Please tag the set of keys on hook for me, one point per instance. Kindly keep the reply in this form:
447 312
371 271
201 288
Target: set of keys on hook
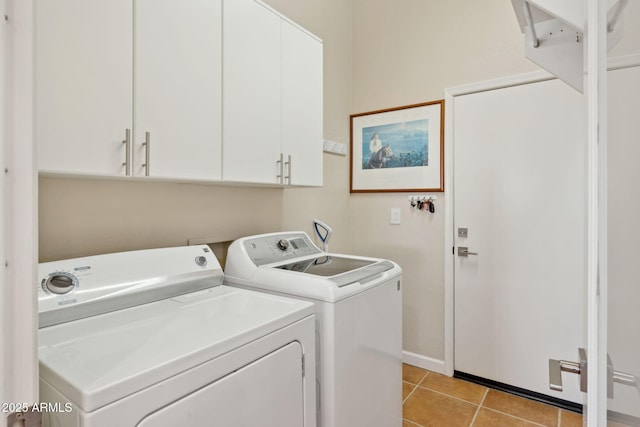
422 203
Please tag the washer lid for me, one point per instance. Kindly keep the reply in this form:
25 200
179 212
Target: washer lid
341 269
288 263
98 360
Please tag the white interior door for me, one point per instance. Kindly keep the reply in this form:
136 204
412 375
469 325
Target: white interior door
519 190
623 235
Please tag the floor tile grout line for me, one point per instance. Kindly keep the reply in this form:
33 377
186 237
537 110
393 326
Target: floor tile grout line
478 405
519 417
426 374
410 393
473 420
515 416
419 381
412 422
415 386
452 396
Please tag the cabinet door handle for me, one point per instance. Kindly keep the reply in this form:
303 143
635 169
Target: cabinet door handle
127 153
147 155
281 168
288 162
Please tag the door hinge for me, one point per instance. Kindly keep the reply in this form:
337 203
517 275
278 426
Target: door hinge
26 419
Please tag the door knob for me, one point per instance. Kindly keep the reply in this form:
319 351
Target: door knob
557 366
581 368
464 251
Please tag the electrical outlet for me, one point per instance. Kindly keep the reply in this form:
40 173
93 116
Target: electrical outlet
395 216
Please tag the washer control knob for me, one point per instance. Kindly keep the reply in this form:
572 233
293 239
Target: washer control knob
283 244
60 283
201 261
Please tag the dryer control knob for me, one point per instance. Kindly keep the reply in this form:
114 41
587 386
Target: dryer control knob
201 261
60 283
283 244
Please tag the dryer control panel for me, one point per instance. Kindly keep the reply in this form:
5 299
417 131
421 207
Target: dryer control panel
271 248
82 287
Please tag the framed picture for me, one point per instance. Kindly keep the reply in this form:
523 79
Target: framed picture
398 149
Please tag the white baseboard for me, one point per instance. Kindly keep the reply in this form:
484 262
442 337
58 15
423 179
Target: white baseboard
424 362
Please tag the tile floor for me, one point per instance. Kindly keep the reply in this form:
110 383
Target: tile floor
434 400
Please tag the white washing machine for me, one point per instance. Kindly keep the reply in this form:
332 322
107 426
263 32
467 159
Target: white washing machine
358 307
152 338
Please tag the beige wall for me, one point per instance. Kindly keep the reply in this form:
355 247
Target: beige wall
406 52
85 217
79 217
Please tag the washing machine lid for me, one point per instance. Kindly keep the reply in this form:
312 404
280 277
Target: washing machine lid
97 360
342 270
289 263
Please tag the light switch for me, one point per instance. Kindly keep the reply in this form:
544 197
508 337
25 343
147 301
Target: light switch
334 147
395 215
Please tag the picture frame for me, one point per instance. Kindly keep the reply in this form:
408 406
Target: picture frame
398 149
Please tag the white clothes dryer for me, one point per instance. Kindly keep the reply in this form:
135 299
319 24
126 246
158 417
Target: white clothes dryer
358 307
153 338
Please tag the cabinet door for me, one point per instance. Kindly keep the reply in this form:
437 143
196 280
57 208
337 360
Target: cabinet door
83 85
302 105
177 88
252 88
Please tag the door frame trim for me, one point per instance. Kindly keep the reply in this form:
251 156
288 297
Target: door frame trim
449 238
19 216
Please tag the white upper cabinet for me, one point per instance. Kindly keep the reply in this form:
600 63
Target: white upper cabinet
177 89
302 105
252 87
185 91
272 98
83 85
98 71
